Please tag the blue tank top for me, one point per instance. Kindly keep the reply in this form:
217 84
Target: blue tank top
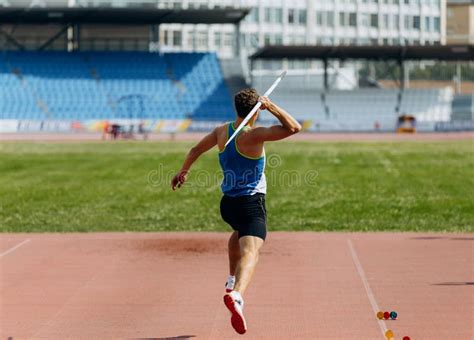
243 175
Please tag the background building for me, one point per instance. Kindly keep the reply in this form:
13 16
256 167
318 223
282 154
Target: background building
460 22
332 22
329 22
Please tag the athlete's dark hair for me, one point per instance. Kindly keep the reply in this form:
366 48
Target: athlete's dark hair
245 100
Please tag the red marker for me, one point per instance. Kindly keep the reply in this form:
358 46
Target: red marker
386 315
406 338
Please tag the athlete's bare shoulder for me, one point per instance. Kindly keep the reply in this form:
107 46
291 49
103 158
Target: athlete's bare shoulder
221 133
221 130
221 127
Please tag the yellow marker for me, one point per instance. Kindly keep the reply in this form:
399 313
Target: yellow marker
184 125
389 334
380 315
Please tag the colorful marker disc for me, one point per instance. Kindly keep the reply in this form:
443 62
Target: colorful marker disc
389 334
386 315
393 315
406 338
380 315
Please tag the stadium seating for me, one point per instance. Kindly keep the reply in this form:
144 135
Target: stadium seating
112 85
138 85
364 109
205 92
16 101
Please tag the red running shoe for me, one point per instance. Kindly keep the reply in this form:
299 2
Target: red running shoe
235 304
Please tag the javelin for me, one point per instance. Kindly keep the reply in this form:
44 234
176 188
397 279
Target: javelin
255 108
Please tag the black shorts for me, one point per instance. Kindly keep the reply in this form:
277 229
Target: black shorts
246 214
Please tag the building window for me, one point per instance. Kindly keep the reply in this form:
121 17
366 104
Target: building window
278 15
268 17
327 41
202 39
342 19
191 38
267 39
300 39
385 21
396 23
319 18
352 19
177 38
175 5
427 24
436 24
217 39
291 16
302 16
330 19
416 22
374 20
364 19
278 39
407 22
228 39
255 15
253 40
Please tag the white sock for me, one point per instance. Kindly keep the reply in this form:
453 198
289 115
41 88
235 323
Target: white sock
231 278
236 295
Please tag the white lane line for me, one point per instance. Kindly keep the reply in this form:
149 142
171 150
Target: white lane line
14 248
369 292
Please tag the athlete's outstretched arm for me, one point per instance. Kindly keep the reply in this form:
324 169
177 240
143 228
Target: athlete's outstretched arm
288 127
204 145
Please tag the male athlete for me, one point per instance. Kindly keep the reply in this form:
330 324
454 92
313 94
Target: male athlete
244 188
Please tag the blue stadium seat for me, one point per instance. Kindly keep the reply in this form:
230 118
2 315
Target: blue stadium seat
112 85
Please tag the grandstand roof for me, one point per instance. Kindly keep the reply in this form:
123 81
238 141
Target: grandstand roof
426 52
103 15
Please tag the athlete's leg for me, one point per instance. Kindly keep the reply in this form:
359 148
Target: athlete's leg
234 252
249 252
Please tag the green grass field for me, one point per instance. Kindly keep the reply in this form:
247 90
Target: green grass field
124 186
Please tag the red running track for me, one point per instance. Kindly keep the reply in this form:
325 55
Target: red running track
170 285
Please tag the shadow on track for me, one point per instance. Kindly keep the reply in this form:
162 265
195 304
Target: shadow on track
468 283
184 337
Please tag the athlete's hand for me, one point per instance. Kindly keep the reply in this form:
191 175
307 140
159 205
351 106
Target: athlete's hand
179 179
266 102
